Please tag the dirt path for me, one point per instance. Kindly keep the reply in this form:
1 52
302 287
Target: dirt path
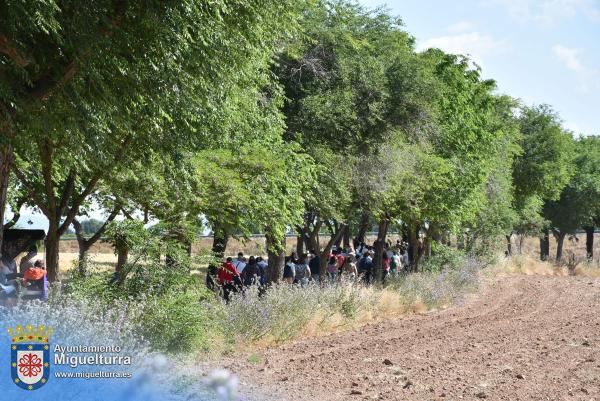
523 338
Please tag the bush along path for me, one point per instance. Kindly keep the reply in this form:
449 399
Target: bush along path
523 337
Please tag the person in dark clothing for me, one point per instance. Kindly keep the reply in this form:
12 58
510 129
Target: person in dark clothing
262 267
251 273
365 267
211 276
302 271
289 270
315 266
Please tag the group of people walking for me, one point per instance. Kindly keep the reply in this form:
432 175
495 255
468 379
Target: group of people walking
342 264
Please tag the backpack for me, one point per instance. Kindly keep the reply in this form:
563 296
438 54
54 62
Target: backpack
250 273
301 271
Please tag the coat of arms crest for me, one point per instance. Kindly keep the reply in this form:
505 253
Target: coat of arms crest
30 356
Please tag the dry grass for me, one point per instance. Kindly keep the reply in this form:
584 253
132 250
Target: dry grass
387 304
384 304
574 260
587 270
530 266
574 245
100 262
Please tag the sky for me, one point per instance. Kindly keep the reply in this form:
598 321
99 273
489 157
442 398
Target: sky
540 51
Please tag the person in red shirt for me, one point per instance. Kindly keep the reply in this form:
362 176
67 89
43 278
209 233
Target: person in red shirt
229 278
34 274
385 265
339 259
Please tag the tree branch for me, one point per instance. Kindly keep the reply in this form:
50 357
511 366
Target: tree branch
127 214
32 192
46 151
102 229
7 127
89 188
45 87
317 228
9 49
67 192
77 203
17 214
79 233
330 226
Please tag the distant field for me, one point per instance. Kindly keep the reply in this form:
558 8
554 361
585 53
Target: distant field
103 256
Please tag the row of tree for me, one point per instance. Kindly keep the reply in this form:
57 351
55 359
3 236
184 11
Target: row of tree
262 115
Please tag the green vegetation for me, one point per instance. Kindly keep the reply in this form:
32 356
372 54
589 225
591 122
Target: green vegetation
263 116
173 313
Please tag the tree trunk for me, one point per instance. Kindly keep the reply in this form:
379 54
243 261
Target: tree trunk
413 245
300 241
347 238
323 255
86 244
433 234
545 245
220 240
338 243
521 240
122 256
52 251
427 246
6 161
83 259
313 239
276 255
379 248
362 229
509 245
560 239
589 243
83 248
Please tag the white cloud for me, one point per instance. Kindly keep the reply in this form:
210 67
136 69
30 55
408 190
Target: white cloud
461 26
473 44
588 77
580 130
549 11
573 127
569 57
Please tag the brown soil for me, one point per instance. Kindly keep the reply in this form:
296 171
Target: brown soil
522 338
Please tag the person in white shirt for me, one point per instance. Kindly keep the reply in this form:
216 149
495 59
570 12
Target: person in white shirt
240 263
404 260
7 265
361 249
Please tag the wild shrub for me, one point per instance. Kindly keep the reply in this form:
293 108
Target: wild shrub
160 295
443 257
438 288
